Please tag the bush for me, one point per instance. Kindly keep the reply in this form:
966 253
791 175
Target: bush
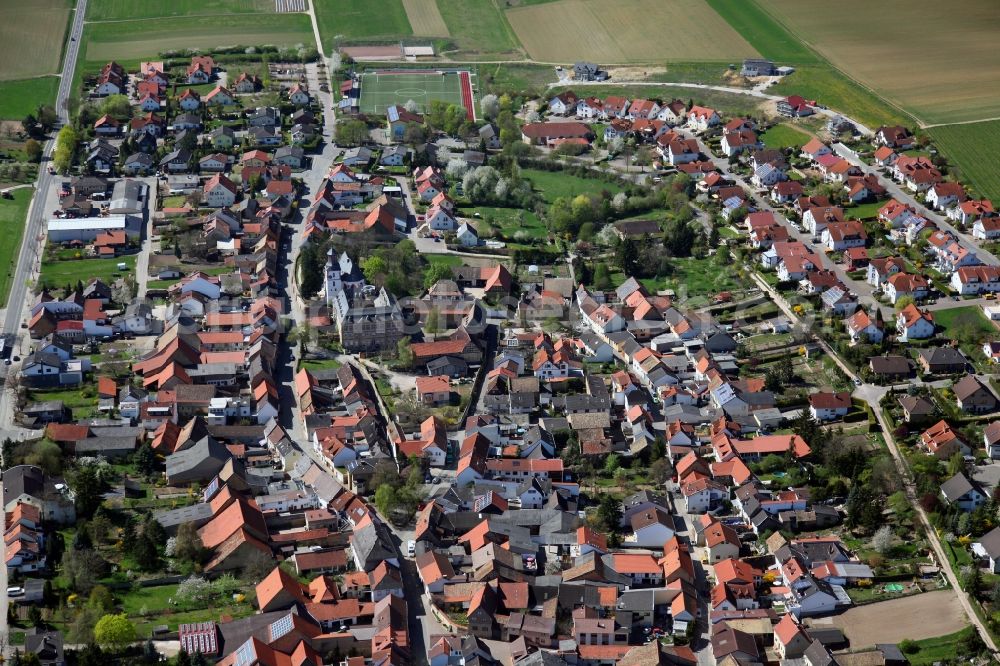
908 646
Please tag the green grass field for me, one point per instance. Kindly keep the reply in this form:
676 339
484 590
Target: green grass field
137 40
831 88
974 148
865 211
118 10
700 279
380 91
968 325
56 274
356 20
21 97
764 33
784 136
555 184
13 214
942 648
510 221
479 29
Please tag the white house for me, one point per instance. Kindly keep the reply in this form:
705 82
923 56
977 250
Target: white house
700 118
440 219
702 495
914 324
219 191
905 284
651 529
467 236
826 406
969 280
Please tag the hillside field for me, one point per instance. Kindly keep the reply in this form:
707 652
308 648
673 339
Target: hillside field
570 30
32 36
974 149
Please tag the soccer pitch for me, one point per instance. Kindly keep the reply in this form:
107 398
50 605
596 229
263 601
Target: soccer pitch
382 89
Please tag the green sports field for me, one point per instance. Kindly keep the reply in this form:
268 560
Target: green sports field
380 90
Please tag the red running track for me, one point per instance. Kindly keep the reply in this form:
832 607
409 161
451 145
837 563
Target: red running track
466 83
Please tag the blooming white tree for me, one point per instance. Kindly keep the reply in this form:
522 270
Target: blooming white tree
882 539
619 201
456 168
490 106
410 106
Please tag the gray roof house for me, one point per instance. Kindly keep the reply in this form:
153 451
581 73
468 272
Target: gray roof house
963 493
199 463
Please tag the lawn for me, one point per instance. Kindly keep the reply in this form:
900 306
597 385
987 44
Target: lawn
939 649
320 364
700 279
13 214
865 211
356 20
21 97
765 34
82 402
784 136
56 274
32 36
449 260
120 10
715 72
555 184
568 30
509 221
479 29
973 148
966 324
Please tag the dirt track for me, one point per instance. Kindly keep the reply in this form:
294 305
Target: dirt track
920 616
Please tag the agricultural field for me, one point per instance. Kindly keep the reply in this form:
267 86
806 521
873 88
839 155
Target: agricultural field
355 20
121 10
586 28
425 17
765 34
936 60
21 97
479 29
974 148
784 136
13 214
134 40
32 36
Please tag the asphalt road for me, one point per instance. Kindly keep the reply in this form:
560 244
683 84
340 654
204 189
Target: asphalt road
28 256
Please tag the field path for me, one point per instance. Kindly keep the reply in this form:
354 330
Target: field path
425 18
